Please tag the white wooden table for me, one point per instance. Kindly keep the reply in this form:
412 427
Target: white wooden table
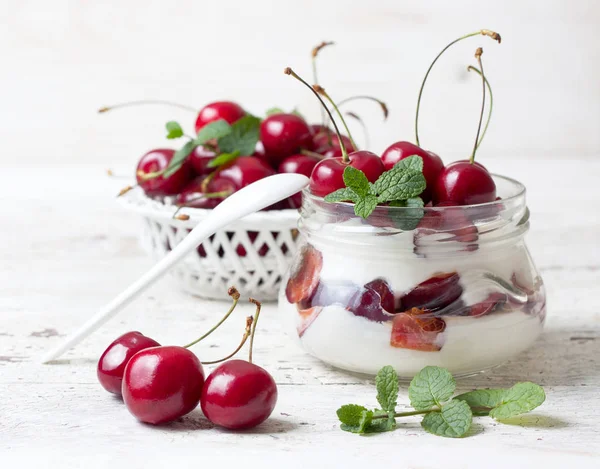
67 247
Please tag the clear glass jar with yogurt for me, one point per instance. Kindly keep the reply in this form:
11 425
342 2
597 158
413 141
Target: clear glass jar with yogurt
448 286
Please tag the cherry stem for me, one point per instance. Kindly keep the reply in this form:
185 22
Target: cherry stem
321 91
478 53
406 414
491 100
345 158
314 154
254 323
362 124
147 102
249 321
126 189
314 54
233 293
483 32
384 108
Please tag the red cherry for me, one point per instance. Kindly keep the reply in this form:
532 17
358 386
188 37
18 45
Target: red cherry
304 275
245 170
191 195
432 163
155 161
226 110
300 164
199 159
238 395
283 135
436 292
412 332
464 183
111 365
162 383
327 176
374 302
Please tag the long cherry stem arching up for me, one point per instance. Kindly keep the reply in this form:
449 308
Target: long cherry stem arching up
478 53
319 89
358 119
314 54
384 108
145 102
247 333
345 158
254 323
491 102
235 295
483 32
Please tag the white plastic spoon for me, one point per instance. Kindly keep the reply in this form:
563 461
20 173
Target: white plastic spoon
248 200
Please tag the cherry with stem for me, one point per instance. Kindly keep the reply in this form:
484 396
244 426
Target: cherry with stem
484 32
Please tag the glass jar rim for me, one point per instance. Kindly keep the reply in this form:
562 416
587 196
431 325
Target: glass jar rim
519 188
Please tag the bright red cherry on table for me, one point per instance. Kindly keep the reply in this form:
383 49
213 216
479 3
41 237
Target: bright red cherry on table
283 135
111 365
238 395
328 174
162 384
300 164
463 183
432 163
226 110
155 161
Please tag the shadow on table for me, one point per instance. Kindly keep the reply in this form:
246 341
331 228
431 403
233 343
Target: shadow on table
536 421
197 421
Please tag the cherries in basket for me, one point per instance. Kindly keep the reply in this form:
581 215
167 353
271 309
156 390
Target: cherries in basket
232 148
160 384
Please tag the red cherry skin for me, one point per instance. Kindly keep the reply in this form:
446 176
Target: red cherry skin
226 110
245 170
432 163
111 365
283 135
162 384
300 164
238 395
157 160
199 159
463 183
327 175
191 195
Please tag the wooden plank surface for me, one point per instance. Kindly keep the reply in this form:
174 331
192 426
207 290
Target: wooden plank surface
67 247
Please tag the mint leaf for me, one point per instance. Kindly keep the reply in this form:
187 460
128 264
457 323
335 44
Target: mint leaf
362 424
407 219
399 184
414 163
386 383
356 180
243 136
431 387
274 110
179 157
350 414
341 195
521 398
365 206
214 130
222 159
453 420
482 401
174 130
379 425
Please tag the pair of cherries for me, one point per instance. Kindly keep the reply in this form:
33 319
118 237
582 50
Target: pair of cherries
160 384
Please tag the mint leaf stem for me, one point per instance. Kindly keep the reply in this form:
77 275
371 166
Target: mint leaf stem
407 414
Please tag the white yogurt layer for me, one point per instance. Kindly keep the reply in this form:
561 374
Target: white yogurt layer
470 345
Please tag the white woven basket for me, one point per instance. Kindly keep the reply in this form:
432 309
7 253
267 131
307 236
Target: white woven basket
252 254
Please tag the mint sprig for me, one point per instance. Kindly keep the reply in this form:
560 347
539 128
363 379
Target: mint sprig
401 184
430 394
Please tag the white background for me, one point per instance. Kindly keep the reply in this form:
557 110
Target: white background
61 60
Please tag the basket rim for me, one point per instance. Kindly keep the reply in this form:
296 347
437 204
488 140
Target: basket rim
138 202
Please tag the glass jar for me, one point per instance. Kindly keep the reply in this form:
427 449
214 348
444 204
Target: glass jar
409 287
